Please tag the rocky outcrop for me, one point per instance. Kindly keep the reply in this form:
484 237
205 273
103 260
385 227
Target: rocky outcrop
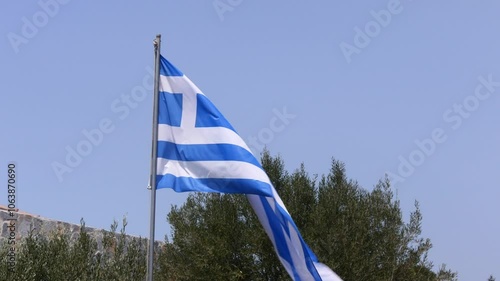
24 223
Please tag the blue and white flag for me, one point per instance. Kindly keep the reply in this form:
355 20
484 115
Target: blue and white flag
198 150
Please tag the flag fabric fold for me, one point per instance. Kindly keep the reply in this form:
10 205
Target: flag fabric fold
199 150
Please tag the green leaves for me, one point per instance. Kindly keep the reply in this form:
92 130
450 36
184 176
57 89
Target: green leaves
209 239
359 233
59 257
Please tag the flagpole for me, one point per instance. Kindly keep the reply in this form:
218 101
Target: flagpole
154 148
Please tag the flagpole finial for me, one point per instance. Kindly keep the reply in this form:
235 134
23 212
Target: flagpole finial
157 40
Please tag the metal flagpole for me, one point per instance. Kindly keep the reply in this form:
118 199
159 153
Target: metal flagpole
154 147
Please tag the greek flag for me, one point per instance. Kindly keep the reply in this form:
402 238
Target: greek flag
198 150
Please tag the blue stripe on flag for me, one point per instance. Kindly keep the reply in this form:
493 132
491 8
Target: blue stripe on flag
171 109
205 152
167 69
183 184
207 115
277 232
278 221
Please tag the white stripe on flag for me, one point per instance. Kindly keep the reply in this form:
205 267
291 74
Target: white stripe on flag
178 84
211 169
326 273
211 135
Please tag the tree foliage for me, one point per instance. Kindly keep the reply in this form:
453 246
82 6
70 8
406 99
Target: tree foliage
57 257
360 234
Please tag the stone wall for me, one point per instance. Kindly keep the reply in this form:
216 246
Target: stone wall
44 226
26 221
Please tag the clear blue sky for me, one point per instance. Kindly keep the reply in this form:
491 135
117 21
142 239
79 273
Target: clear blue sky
413 78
